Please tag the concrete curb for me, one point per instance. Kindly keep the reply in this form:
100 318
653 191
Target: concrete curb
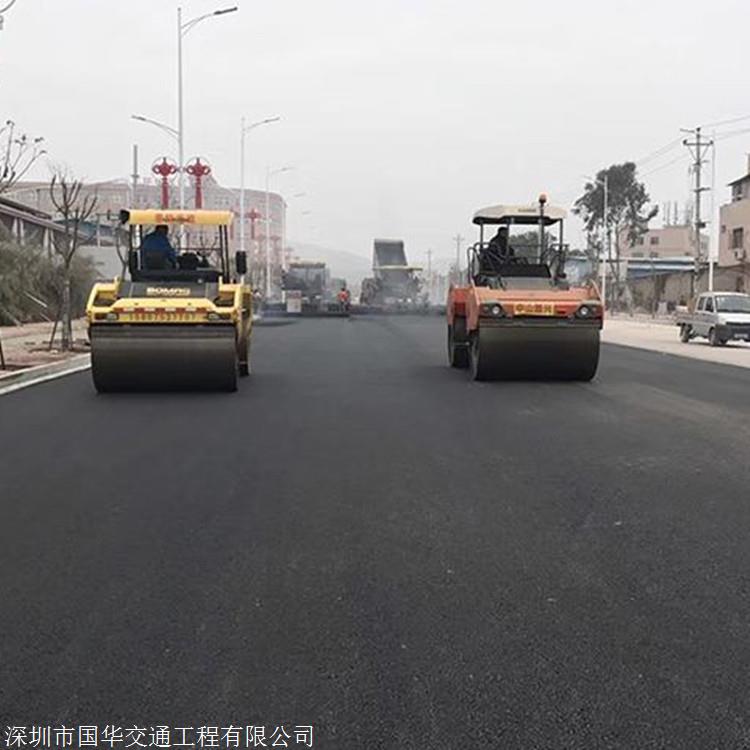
686 355
15 381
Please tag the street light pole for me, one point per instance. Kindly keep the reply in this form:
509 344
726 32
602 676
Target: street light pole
168 129
182 30
270 173
180 119
244 130
4 9
302 194
267 238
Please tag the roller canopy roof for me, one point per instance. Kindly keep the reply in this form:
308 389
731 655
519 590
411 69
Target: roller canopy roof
518 215
157 216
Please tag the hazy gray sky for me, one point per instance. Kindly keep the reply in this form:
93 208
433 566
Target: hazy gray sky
401 117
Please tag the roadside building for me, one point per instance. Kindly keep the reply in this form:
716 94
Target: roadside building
26 225
672 241
114 195
734 221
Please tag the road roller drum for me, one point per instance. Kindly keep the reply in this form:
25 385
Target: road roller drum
181 323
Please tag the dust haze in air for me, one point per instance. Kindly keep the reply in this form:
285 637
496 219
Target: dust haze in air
400 117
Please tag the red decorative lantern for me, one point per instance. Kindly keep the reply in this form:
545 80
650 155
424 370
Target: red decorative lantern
165 169
198 170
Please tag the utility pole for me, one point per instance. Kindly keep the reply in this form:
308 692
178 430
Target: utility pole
697 148
458 239
135 176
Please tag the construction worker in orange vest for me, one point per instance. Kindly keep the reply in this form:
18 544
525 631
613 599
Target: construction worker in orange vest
344 298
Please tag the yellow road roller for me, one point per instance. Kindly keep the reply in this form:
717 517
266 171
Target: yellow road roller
183 320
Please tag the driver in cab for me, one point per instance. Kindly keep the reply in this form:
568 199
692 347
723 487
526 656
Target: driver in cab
499 245
157 252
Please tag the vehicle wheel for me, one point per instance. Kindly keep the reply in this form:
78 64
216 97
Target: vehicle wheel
685 333
475 358
458 356
713 338
243 368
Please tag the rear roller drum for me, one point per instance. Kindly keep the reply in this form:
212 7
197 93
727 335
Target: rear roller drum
458 352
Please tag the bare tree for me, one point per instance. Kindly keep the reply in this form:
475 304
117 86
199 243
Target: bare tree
74 208
18 152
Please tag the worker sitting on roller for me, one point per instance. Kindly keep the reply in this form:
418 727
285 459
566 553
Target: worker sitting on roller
157 252
499 247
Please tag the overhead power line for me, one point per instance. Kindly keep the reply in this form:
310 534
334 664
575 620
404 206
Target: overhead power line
681 157
665 149
726 122
731 134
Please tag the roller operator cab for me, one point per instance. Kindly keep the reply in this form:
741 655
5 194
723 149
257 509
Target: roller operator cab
182 321
516 316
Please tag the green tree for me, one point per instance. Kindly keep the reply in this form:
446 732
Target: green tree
628 213
32 282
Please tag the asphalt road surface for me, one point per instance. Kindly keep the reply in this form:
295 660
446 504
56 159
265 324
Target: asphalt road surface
364 541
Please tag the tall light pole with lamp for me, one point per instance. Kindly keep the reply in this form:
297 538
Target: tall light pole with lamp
183 27
269 174
162 169
244 130
4 9
303 194
168 129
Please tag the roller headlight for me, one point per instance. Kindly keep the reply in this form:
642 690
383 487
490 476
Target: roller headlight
493 310
588 311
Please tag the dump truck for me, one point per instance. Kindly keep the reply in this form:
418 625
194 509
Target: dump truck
394 285
516 316
176 324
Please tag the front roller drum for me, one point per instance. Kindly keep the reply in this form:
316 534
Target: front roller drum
163 358
534 353
458 346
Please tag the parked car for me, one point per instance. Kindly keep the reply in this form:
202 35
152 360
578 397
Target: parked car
718 316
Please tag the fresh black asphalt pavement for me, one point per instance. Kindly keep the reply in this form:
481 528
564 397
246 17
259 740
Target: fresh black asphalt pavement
364 541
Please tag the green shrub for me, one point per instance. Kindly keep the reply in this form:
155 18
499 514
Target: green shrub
28 272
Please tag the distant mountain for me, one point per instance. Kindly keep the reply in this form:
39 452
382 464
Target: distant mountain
341 264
